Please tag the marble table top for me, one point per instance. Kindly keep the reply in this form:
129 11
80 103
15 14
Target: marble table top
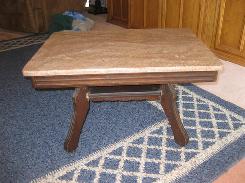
122 51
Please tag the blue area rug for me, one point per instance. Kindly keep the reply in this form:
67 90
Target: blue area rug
120 142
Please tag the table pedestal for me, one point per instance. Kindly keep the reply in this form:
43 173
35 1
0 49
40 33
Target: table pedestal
163 93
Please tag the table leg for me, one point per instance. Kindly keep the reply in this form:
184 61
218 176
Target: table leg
81 107
168 102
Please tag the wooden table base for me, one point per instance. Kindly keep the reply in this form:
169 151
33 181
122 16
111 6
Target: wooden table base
164 93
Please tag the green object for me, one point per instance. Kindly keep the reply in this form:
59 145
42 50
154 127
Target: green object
60 22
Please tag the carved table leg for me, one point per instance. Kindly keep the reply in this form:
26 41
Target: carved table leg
168 102
81 107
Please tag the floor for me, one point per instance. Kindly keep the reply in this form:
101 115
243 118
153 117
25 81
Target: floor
236 174
229 86
7 34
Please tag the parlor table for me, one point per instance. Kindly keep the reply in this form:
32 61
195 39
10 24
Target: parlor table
122 65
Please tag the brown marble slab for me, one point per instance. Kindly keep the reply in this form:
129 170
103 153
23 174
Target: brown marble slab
122 51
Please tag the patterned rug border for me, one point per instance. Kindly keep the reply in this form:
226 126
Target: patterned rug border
215 149
18 38
26 42
187 170
239 142
202 163
210 96
104 149
212 174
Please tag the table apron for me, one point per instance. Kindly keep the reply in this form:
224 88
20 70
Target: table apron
76 81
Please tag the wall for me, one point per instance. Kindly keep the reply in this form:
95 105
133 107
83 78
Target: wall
33 15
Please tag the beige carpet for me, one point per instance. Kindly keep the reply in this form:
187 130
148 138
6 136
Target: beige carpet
230 84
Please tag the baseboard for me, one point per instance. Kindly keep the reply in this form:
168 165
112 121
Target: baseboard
118 22
230 57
